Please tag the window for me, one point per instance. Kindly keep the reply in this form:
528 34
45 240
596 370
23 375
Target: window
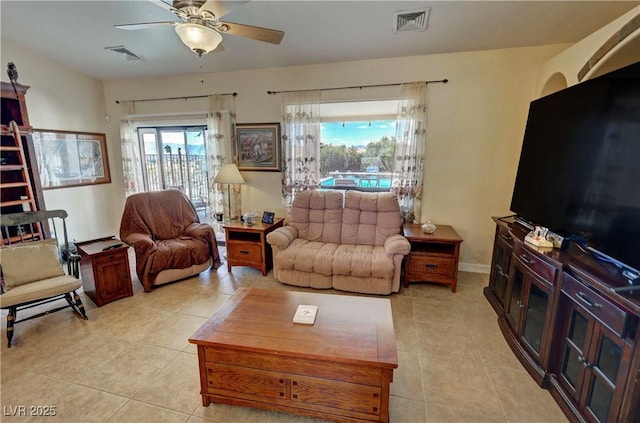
358 144
175 157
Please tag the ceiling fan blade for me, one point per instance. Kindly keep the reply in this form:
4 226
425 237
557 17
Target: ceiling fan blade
164 5
272 36
144 25
221 8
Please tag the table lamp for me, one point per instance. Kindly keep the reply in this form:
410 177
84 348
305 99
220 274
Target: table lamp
229 175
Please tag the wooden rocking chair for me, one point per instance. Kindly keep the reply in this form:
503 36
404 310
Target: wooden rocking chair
32 266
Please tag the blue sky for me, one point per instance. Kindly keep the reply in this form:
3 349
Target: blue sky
357 133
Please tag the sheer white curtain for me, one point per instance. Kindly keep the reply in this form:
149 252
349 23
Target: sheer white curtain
131 157
300 143
411 129
220 141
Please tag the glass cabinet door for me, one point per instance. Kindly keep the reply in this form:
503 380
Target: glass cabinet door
516 305
536 303
500 270
600 382
592 359
574 345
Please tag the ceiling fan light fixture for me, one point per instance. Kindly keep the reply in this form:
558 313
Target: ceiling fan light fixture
199 38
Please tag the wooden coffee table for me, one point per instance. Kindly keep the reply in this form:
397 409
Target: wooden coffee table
340 368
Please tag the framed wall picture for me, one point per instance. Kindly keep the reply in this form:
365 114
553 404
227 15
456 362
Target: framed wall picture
258 146
67 159
267 217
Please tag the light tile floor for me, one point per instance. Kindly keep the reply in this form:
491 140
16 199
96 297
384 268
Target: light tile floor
131 361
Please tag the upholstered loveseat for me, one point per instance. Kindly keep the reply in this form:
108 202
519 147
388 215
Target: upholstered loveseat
351 242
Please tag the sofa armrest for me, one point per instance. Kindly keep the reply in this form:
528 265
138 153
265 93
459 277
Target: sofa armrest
282 237
397 244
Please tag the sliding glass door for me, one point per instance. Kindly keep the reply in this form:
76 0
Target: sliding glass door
175 158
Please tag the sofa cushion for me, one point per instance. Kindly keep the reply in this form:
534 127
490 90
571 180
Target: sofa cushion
305 279
377 286
317 215
365 261
370 218
308 256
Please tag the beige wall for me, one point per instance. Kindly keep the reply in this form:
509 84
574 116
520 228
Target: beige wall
63 99
475 128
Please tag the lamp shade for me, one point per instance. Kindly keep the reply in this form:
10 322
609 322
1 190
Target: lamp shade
199 38
229 174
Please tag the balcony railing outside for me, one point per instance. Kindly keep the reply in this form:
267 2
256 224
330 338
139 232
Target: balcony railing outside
187 173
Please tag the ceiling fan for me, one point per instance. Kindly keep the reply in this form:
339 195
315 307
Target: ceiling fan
200 27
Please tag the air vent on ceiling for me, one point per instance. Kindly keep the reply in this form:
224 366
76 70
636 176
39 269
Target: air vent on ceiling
124 53
411 20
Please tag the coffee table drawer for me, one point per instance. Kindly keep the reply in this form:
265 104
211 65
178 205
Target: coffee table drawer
267 386
316 368
232 380
332 394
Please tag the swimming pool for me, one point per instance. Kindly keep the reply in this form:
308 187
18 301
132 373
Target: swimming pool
359 181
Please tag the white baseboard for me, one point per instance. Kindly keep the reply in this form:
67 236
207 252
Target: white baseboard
474 268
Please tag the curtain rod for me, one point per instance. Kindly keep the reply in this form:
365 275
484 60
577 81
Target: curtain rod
178 98
444 81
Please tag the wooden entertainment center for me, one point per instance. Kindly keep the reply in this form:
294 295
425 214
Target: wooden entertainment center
571 331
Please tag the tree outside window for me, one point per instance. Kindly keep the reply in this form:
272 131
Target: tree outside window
357 154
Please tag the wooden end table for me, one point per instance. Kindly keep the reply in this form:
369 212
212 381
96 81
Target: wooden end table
433 257
247 245
104 268
340 368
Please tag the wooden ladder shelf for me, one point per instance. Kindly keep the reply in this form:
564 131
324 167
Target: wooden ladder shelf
14 178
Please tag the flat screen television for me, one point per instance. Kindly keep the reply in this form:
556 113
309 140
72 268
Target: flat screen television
579 169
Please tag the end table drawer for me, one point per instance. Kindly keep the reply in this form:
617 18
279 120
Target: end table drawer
244 251
431 265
